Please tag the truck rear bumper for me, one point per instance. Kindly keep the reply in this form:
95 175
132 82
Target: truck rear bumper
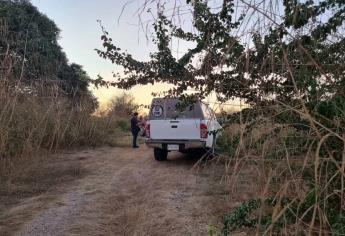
183 144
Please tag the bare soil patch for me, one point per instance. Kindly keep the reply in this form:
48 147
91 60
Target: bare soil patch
121 191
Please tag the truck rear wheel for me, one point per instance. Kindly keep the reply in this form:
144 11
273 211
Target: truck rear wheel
160 154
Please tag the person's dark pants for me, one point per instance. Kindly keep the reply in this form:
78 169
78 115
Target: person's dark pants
135 136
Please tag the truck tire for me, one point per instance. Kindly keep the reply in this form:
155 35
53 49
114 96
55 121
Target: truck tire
160 154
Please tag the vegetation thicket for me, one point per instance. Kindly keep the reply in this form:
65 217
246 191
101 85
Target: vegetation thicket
45 103
286 61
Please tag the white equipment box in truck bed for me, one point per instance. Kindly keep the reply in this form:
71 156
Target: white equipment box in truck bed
172 129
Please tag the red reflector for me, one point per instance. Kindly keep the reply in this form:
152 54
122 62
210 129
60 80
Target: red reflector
203 131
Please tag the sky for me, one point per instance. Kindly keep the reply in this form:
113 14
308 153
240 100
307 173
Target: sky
80 35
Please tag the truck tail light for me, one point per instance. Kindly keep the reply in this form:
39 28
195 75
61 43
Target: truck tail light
203 131
147 131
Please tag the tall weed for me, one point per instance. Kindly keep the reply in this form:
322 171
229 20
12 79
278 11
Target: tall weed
30 124
300 160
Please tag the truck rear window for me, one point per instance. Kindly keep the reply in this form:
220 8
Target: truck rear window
169 109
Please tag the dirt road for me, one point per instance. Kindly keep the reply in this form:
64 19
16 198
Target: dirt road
124 191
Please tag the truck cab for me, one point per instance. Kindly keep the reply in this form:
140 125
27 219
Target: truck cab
172 128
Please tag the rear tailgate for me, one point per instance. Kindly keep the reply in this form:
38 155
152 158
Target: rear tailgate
183 129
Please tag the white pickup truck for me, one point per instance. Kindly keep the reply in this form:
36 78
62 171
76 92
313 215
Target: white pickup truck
172 129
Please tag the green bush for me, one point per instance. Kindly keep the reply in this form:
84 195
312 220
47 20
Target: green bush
240 217
123 124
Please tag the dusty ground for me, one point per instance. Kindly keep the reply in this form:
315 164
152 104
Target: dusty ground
124 191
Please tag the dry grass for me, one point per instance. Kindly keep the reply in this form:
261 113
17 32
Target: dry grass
32 124
32 128
30 180
39 119
299 173
117 196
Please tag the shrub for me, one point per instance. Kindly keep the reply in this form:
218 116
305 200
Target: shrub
123 124
122 105
301 157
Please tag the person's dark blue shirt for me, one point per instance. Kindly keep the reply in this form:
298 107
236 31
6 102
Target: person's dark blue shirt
134 124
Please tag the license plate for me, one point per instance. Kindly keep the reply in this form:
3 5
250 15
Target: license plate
173 147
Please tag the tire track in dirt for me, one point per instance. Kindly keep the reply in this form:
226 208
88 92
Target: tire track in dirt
126 192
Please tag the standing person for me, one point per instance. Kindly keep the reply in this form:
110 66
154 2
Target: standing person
142 125
135 129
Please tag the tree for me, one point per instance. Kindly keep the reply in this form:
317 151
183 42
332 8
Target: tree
122 105
296 59
30 51
280 63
